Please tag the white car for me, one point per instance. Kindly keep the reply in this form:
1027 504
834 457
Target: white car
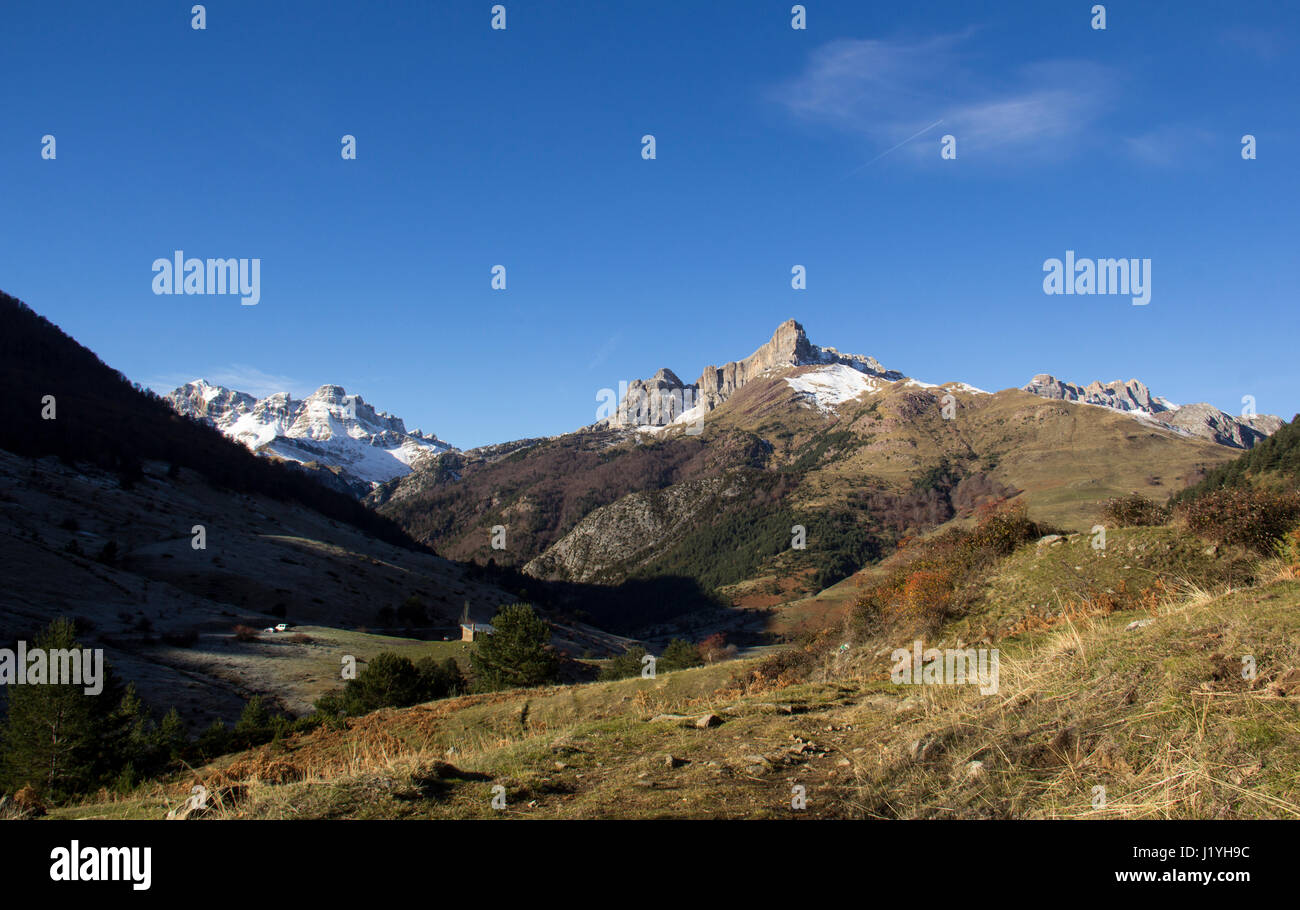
282 627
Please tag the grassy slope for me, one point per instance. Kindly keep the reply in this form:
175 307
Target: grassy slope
1158 715
1067 459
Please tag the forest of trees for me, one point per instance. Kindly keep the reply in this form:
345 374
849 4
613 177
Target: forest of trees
1276 459
57 742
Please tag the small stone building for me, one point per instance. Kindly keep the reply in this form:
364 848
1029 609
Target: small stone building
470 631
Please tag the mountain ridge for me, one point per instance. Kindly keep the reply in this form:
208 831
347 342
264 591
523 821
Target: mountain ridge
329 427
836 378
1133 397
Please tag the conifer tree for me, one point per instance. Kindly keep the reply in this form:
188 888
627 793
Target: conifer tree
57 738
517 653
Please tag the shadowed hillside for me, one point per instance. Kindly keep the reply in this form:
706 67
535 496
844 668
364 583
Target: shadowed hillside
101 419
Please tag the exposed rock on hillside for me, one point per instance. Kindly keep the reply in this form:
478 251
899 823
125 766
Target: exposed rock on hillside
1133 397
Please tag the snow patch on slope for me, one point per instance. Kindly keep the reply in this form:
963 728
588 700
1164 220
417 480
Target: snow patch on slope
830 386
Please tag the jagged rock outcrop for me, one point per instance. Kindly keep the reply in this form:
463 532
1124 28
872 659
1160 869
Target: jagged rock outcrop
656 401
1133 397
664 397
1122 396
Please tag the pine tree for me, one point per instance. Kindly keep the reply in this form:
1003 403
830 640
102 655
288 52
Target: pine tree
254 724
389 680
172 736
57 738
517 653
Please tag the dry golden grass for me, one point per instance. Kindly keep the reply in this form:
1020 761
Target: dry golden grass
1158 715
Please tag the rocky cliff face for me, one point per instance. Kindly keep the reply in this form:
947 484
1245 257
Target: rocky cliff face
1209 422
363 446
661 399
656 401
1202 420
613 541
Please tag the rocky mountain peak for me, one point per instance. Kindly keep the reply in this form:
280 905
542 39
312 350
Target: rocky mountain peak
788 347
664 398
328 427
333 394
667 376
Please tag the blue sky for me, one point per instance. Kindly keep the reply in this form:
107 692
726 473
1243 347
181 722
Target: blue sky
775 147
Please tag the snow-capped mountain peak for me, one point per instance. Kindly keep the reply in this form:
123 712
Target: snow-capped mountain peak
329 427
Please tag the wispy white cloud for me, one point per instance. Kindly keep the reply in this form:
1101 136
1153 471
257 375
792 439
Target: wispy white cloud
888 90
1170 145
238 376
1265 44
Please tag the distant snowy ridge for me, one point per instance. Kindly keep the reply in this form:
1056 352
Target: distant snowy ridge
329 427
1135 399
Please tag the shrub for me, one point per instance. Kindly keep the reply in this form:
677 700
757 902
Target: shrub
1288 548
1001 527
715 648
439 679
215 740
1133 511
625 665
925 596
255 723
388 681
679 655
245 633
937 579
1253 518
393 681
